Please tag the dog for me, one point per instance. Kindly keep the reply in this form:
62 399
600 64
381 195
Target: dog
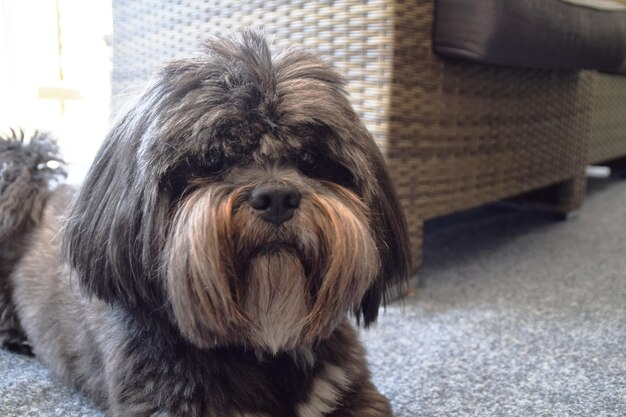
236 225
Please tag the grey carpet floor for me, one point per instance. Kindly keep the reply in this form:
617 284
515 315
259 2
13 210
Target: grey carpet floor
517 315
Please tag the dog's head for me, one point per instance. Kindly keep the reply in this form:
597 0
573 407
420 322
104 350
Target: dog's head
243 193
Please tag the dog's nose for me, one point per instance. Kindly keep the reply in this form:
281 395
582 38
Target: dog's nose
277 202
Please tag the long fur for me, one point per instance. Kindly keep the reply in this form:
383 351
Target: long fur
28 169
169 294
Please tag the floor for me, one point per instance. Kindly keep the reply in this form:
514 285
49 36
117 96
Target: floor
517 315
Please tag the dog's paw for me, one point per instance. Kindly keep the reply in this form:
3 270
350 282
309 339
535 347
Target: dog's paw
15 342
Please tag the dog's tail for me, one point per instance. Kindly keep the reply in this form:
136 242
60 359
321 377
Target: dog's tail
28 170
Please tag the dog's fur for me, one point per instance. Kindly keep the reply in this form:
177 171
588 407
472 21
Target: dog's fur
188 301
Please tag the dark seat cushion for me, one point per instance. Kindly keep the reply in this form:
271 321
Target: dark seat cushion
544 34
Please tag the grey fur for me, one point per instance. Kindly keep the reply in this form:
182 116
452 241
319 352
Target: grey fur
26 177
169 295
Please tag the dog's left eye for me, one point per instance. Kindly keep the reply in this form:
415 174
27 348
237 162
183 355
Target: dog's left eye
307 161
213 164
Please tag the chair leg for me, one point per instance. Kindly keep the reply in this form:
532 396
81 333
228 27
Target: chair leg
417 237
416 234
570 194
567 197
560 199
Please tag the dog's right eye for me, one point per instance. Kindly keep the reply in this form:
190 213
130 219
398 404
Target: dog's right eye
192 172
214 164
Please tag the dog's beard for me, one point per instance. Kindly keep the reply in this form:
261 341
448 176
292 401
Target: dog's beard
277 300
236 279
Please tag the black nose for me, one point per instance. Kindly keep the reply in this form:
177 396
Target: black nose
277 202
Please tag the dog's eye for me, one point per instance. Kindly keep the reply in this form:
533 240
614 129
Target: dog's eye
213 164
307 161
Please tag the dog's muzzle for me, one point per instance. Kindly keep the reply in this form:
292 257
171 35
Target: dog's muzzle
275 203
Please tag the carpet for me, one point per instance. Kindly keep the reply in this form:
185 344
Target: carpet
516 315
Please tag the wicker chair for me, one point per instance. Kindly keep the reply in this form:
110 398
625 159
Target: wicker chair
455 134
608 120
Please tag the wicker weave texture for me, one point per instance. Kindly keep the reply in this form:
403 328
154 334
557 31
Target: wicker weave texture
462 134
455 134
608 118
355 36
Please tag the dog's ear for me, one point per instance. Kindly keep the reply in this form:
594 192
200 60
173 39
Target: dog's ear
390 228
111 233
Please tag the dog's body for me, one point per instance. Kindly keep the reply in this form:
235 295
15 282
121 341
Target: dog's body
231 221
95 347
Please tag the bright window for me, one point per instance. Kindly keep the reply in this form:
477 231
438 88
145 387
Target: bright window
55 67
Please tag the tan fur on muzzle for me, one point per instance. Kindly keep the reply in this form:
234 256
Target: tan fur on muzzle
234 278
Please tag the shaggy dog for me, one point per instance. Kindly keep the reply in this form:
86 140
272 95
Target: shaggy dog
234 219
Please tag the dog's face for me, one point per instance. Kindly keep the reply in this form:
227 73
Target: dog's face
242 195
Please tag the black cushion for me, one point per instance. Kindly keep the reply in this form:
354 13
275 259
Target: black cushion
545 34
